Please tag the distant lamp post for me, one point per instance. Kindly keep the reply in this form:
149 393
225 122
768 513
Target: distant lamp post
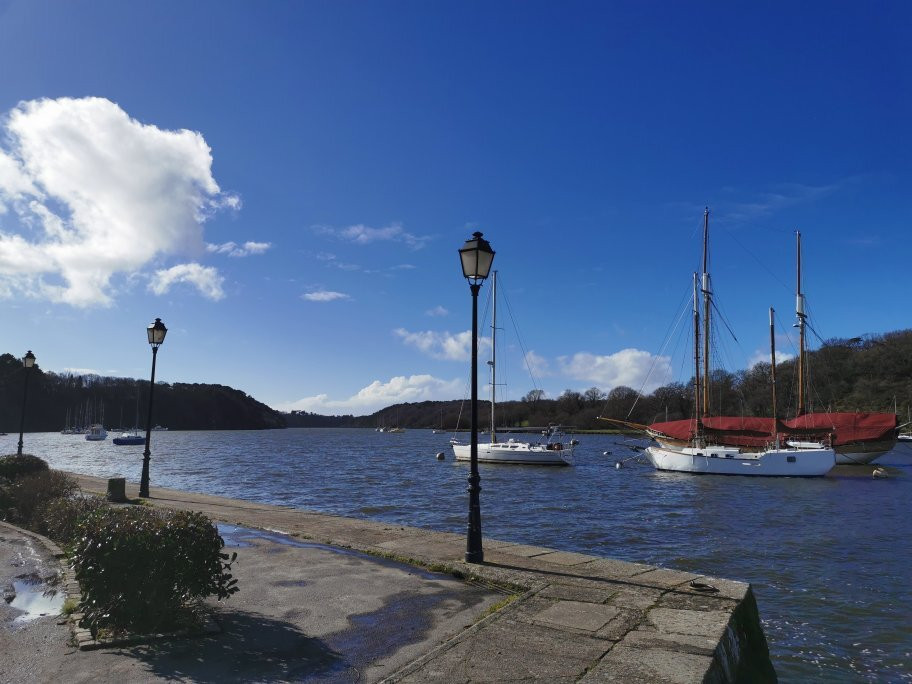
477 256
156 333
28 361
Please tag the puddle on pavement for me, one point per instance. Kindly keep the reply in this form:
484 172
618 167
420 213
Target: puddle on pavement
35 599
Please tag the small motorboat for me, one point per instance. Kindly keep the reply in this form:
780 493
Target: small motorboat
129 438
96 433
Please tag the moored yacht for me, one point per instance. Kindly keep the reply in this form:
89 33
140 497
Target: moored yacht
96 433
550 451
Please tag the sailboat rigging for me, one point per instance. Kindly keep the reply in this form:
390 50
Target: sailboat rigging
549 451
702 449
132 437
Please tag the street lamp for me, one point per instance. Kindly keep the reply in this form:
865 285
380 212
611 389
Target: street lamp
156 333
28 361
476 256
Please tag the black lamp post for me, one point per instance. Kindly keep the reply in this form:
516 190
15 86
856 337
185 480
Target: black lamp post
156 333
477 256
28 361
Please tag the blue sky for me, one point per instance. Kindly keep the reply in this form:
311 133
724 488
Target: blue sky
286 184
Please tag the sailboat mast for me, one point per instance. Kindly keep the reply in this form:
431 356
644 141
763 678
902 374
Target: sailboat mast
493 351
773 376
706 306
696 325
799 311
773 363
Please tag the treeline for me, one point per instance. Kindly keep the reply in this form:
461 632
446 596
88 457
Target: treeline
869 373
56 401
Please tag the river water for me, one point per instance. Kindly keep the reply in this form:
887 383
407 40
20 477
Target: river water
830 559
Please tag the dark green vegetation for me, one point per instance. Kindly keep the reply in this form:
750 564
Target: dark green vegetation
58 401
861 374
27 486
140 569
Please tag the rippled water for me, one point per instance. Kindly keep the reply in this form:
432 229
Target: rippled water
830 559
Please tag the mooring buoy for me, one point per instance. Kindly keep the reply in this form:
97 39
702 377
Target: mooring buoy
440 456
618 465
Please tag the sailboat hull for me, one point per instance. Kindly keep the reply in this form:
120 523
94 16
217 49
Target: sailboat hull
861 454
127 439
727 461
516 453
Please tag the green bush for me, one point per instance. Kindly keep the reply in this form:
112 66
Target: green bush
139 567
15 466
22 500
60 519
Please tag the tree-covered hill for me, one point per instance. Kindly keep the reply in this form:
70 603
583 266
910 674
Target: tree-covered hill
56 401
867 373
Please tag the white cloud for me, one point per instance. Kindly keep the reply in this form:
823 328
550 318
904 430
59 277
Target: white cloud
365 235
628 367
538 365
784 197
233 249
378 395
80 371
761 356
437 311
205 278
443 345
88 194
332 260
324 296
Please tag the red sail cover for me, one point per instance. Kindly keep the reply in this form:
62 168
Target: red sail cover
846 428
849 428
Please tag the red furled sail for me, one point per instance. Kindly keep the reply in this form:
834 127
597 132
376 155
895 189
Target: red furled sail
845 428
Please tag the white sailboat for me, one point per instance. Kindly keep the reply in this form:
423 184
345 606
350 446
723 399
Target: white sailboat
701 454
132 437
96 431
551 450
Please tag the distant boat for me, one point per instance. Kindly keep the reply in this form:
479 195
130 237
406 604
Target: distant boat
395 429
129 438
550 451
440 430
159 428
96 433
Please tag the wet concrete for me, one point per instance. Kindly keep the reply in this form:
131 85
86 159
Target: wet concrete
305 612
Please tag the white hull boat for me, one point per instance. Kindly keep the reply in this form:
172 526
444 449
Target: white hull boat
721 460
550 451
518 453
96 433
